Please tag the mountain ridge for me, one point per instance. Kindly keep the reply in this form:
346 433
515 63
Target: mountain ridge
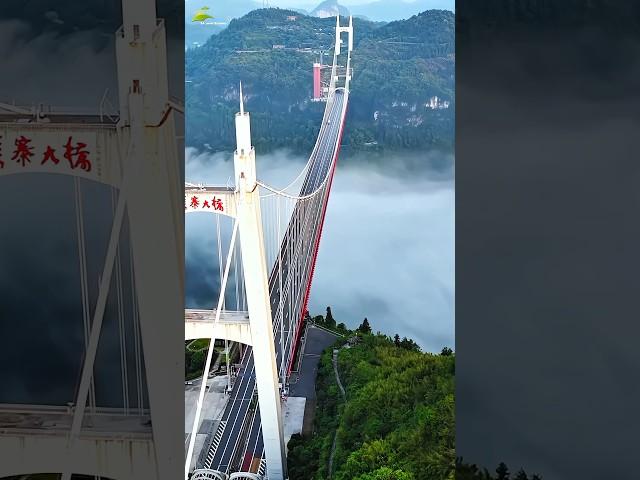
399 67
329 8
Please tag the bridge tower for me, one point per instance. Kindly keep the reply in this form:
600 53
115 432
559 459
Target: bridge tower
243 203
135 154
349 30
256 284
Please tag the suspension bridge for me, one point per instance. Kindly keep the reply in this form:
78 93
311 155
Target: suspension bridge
265 281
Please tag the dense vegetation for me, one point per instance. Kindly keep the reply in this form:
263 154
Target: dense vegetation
396 421
196 355
397 68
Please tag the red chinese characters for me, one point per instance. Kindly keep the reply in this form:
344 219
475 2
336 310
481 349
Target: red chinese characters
23 152
49 155
78 154
75 152
215 203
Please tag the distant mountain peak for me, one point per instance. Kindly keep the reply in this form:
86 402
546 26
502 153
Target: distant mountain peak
329 8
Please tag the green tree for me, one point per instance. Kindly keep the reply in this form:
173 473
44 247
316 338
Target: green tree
396 340
466 471
521 475
187 361
409 344
446 351
364 326
397 422
197 360
302 458
329 320
502 471
386 473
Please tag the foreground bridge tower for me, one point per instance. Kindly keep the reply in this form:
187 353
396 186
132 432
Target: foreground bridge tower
256 284
243 203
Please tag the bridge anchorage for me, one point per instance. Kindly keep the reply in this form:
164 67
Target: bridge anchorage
273 262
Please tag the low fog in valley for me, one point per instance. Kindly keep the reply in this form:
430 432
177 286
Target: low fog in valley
387 249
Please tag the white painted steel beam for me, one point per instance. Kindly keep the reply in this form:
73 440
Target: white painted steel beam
232 326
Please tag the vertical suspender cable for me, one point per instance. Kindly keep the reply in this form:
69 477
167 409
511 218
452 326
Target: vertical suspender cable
235 274
207 366
243 287
136 336
121 319
226 349
84 284
282 362
219 251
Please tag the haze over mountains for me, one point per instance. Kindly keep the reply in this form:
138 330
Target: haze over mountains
390 10
329 8
377 11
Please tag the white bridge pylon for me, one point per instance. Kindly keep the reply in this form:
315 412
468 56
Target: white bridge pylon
136 154
243 203
287 239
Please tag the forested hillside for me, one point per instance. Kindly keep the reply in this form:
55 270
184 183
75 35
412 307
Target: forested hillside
395 423
398 67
